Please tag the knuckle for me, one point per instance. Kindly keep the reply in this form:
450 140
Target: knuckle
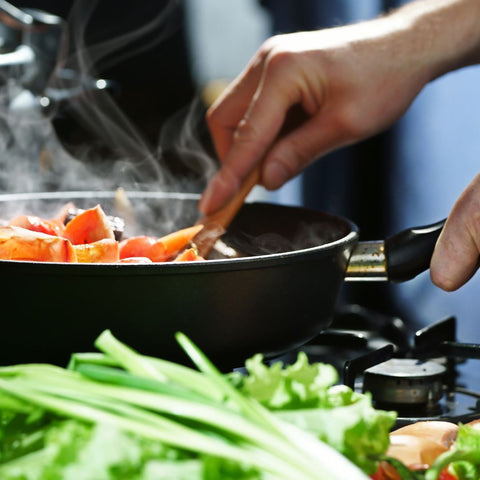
212 117
229 176
279 61
246 132
268 45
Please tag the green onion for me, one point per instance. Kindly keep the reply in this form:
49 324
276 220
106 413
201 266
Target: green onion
197 411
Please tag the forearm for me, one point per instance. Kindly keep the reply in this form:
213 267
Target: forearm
443 35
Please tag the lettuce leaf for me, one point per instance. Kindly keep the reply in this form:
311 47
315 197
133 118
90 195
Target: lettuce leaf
305 395
73 450
299 385
356 430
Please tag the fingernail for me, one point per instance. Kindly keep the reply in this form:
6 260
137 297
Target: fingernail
275 175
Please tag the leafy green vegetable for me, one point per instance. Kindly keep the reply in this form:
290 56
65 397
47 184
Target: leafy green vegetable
300 385
119 414
305 395
76 451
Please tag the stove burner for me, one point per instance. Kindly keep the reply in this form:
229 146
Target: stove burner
405 382
422 375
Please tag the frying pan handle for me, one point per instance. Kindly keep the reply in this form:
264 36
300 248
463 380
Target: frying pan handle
409 252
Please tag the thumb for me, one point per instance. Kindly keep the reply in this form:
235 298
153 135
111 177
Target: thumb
456 255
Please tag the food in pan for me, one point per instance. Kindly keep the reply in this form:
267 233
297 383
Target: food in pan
89 236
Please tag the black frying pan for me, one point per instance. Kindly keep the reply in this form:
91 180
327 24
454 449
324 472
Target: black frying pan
276 297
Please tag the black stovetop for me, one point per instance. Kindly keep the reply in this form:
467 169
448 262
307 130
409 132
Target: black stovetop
360 339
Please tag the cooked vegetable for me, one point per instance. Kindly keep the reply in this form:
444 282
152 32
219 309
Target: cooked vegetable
18 243
135 260
189 255
141 246
101 251
116 223
94 237
38 224
158 249
89 226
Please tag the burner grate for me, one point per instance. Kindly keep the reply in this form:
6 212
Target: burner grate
423 375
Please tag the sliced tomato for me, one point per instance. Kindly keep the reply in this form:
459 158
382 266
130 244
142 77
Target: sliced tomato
378 475
386 471
18 243
158 249
135 260
62 214
446 475
188 255
89 226
38 224
141 246
101 251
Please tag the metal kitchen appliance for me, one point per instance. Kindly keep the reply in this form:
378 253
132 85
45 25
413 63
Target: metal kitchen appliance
423 375
33 44
33 54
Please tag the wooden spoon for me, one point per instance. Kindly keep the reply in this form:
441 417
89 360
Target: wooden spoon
215 225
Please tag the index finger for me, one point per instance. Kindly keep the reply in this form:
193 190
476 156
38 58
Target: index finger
230 107
253 137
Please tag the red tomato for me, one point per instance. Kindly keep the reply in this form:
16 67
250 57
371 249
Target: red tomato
445 475
89 226
386 471
135 260
143 246
158 249
101 251
189 255
38 224
18 243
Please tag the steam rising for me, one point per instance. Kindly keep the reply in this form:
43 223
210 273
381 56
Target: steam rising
33 159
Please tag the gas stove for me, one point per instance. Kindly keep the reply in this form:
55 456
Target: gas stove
422 375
